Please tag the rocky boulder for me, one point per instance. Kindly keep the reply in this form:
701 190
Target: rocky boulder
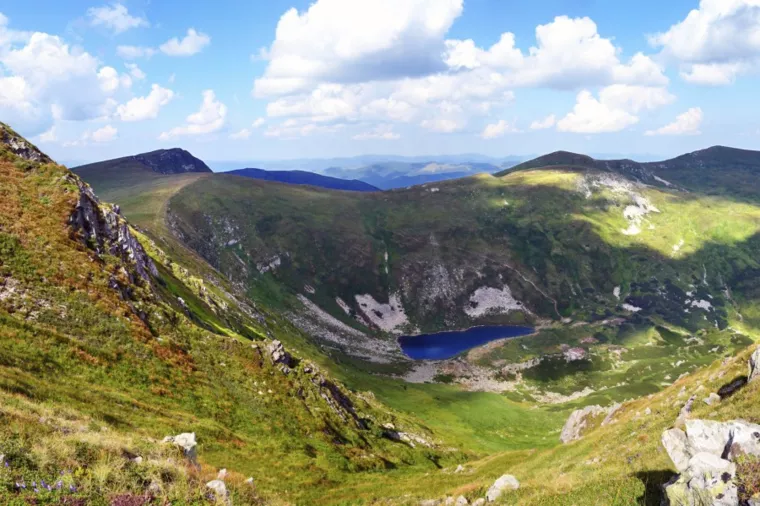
503 484
185 441
754 365
704 454
579 421
278 354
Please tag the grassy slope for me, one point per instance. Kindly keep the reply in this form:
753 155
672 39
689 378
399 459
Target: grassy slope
455 415
83 380
717 231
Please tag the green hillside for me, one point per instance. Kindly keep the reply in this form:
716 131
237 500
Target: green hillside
123 325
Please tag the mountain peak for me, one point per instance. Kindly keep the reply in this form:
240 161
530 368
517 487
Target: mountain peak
172 161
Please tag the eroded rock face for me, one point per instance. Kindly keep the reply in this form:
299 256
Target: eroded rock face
103 229
754 365
506 482
21 147
278 354
704 455
579 420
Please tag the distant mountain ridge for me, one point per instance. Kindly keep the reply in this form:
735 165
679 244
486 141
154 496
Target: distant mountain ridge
161 161
393 174
702 170
305 178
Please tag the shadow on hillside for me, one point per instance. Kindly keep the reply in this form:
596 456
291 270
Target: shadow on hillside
654 492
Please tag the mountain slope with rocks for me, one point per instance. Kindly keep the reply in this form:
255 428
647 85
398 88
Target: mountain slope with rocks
262 337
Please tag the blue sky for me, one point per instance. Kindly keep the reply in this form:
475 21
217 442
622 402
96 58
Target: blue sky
257 80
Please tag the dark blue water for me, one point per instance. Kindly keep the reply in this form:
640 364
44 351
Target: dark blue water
443 345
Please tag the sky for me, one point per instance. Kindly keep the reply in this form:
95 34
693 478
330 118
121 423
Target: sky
280 79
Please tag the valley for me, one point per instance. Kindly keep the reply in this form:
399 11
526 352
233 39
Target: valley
265 319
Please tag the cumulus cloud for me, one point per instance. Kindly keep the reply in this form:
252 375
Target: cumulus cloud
147 107
100 136
105 134
44 78
115 17
209 118
380 132
241 135
545 123
716 42
498 129
569 53
360 60
616 108
191 44
347 41
258 122
443 125
294 128
687 123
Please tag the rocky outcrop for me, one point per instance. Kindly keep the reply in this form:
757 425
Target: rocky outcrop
704 454
411 439
185 441
102 228
278 355
580 418
754 366
20 146
506 482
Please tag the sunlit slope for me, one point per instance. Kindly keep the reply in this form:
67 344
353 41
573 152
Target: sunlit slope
564 240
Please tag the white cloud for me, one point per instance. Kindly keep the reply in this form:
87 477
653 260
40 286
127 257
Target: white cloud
258 122
545 123
380 132
716 42
241 135
115 17
142 108
44 78
210 118
100 136
569 53
498 129
362 61
191 44
593 116
442 125
293 129
49 136
616 108
135 52
105 134
687 123
135 71
346 41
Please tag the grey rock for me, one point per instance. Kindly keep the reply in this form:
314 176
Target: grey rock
754 365
506 482
21 147
461 501
219 489
479 502
278 354
187 442
579 419
676 444
685 412
712 399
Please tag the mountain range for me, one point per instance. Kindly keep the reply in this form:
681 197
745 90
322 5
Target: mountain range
174 335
